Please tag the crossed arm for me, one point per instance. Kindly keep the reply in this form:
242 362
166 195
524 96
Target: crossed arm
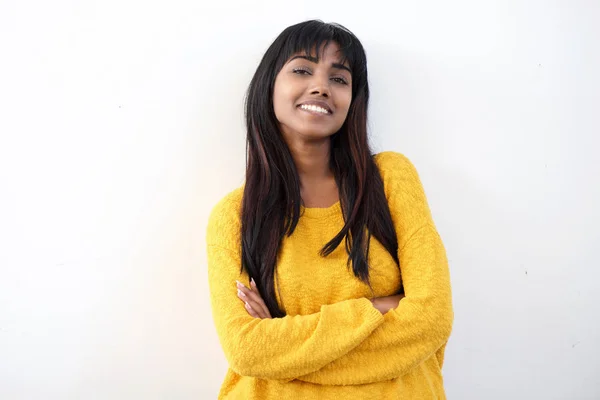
411 331
349 342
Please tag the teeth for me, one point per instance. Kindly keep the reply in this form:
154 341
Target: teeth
314 108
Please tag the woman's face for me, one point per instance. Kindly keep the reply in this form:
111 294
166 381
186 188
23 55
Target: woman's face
311 100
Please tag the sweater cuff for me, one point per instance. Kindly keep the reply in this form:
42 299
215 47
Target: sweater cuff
372 315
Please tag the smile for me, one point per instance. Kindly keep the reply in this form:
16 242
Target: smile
314 109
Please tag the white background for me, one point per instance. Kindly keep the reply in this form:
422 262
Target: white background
121 126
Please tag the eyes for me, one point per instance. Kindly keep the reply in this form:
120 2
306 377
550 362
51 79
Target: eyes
303 71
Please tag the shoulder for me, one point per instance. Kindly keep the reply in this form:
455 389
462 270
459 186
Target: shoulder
404 192
224 221
229 204
395 168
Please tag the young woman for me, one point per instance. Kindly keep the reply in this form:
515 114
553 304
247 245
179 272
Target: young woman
327 276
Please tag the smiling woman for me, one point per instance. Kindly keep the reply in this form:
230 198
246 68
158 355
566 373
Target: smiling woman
298 315
312 94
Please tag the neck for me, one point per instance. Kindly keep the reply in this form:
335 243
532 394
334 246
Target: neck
312 161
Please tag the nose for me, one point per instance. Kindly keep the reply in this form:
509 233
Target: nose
320 86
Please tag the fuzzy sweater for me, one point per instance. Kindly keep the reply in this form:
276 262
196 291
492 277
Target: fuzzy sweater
333 344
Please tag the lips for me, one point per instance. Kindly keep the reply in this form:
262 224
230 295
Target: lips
322 104
314 110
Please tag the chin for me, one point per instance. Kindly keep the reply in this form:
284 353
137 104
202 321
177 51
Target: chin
316 130
308 131
316 135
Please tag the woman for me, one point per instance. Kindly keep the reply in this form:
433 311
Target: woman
298 314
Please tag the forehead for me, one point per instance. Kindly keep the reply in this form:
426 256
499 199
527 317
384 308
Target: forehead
330 51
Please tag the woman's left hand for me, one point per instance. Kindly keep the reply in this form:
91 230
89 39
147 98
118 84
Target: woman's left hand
385 304
255 305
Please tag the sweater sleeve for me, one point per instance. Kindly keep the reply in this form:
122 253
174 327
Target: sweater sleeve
421 324
277 348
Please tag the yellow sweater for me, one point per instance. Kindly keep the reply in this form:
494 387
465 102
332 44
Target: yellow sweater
333 344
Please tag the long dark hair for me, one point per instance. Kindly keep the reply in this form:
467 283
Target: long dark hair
271 200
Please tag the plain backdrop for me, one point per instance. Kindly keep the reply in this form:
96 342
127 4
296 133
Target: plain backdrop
121 126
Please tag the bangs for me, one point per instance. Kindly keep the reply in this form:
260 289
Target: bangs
315 36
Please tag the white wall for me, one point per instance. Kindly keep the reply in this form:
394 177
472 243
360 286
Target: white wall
121 126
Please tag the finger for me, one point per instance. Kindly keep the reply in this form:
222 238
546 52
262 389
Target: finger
257 303
246 294
258 312
264 307
243 291
262 302
250 299
256 300
251 310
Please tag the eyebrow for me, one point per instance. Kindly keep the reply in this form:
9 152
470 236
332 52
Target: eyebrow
314 59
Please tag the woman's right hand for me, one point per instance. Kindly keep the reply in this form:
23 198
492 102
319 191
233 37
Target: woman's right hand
385 304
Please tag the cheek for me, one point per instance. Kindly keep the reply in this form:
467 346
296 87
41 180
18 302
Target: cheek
281 97
345 103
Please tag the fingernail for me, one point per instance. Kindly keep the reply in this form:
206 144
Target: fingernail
240 293
240 284
253 283
247 305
